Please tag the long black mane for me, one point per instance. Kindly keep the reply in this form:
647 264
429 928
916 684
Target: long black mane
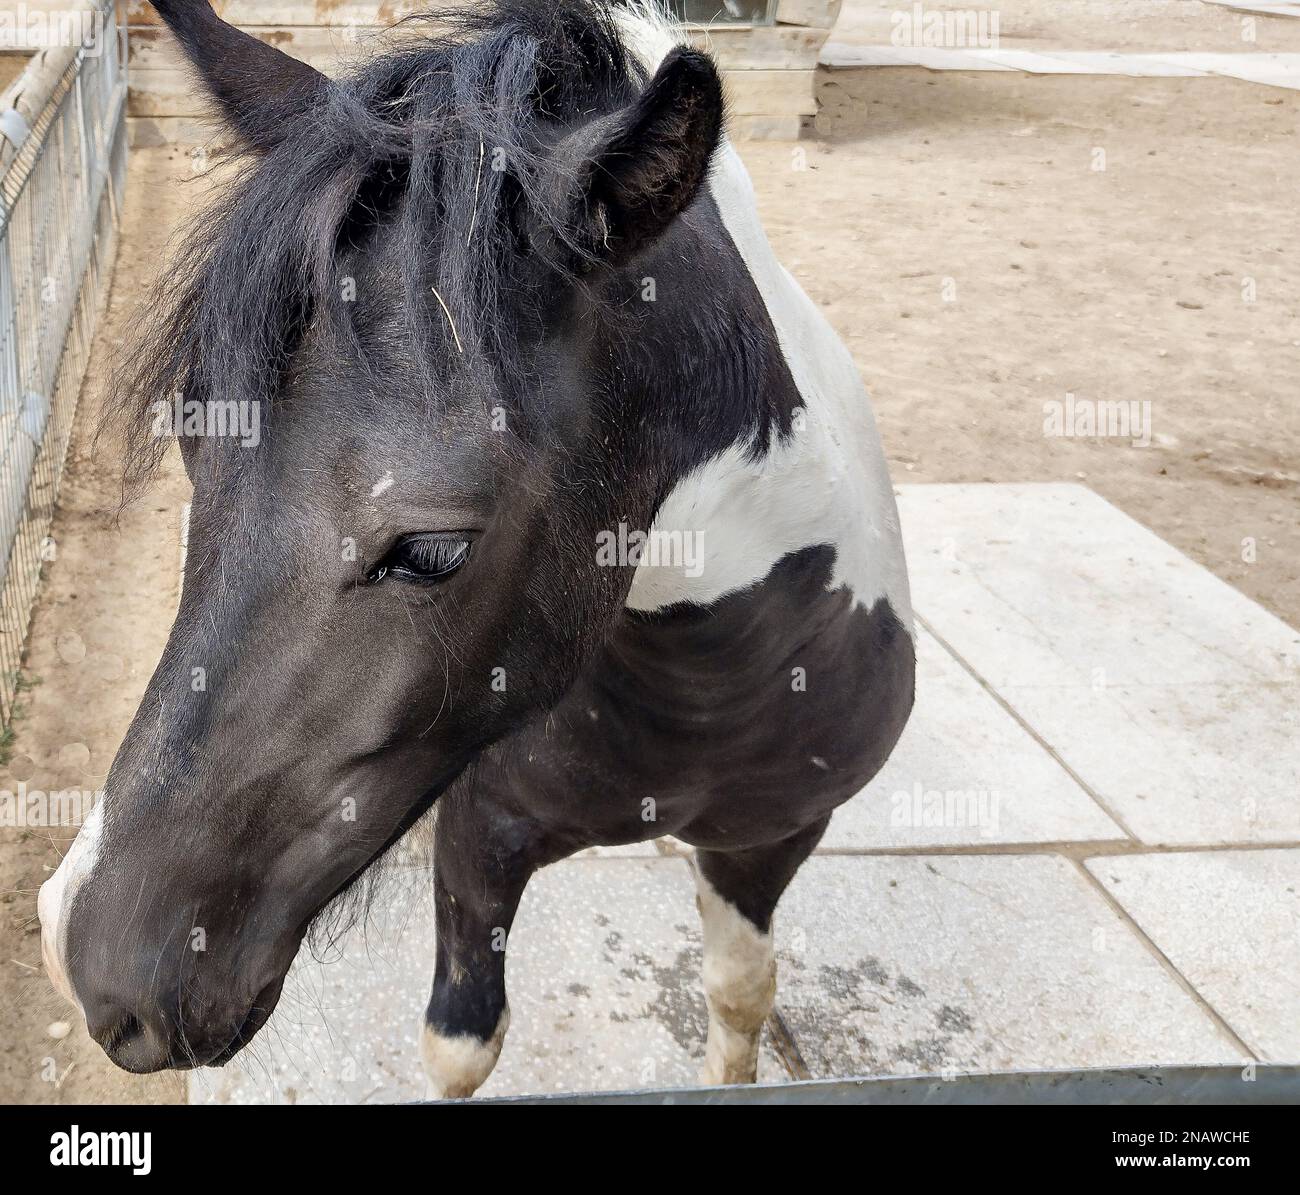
445 134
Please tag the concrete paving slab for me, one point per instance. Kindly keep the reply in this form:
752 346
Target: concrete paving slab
346 1030
1049 584
960 963
838 54
1046 26
1112 62
1271 70
1230 922
1031 62
604 979
1150 677
965 773
604 975
1181 764
933 58
1261 9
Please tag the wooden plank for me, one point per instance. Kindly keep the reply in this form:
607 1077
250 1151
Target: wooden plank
783 47
153 131
298 12
326 47
769 128
173 92
789 47
820 14
771 93
166 93
817 14
149 132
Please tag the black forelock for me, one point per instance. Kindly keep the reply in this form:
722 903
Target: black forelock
447 134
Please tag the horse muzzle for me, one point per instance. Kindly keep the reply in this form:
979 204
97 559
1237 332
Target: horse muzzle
143 1040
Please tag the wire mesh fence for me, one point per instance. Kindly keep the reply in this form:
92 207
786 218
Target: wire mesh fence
60 196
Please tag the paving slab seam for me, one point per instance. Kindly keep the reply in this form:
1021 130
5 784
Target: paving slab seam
1099 849
1160 686
1030 730
1219 1021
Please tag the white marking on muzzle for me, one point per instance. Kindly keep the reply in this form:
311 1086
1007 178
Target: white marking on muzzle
54 903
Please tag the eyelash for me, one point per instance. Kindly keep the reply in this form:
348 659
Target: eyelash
423 559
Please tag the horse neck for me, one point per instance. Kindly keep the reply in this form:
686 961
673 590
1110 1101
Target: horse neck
793 458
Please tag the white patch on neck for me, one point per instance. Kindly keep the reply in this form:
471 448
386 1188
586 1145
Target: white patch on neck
827 484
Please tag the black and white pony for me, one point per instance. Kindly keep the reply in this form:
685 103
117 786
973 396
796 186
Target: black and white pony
567 513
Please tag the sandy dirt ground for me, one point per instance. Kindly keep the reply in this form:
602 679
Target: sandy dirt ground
1124 284
99 627
11 66
956 230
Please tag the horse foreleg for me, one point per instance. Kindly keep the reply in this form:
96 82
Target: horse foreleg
482 862
737 893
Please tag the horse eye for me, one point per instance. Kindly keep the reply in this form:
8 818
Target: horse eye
423 559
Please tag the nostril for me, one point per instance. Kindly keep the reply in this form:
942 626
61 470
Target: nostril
127 1039
121 1034
109 1024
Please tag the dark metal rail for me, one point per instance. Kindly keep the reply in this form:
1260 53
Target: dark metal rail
1158 1085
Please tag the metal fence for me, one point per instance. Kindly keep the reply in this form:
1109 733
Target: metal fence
1249 1085
726 12
60 195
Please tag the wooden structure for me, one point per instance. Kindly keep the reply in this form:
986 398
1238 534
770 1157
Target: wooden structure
770 68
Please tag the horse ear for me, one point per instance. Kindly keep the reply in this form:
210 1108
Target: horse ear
259 88
638 169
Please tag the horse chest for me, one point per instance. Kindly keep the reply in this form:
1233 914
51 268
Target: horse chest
743 719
